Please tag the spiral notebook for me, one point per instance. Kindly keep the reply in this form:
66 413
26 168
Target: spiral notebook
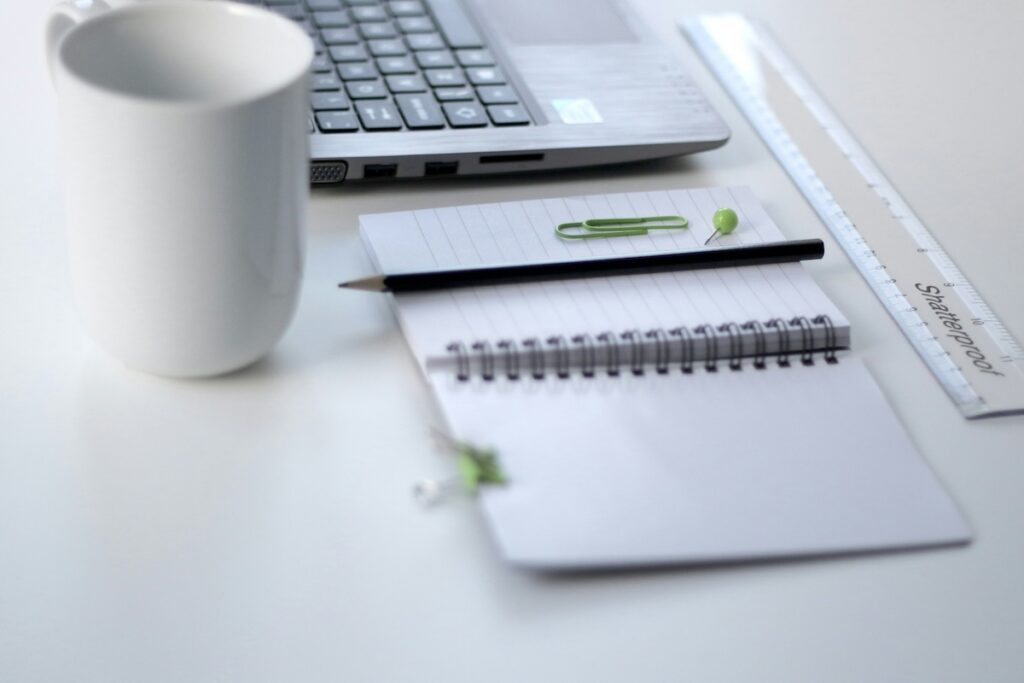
692 417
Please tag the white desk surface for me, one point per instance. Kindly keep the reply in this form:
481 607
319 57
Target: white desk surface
260 527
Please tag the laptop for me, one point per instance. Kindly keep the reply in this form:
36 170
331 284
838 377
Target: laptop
415 88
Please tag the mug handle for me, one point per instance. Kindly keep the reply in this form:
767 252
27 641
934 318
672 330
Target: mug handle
64 17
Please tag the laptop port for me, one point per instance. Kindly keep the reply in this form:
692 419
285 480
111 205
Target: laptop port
380 170
327 172
441 168
511 158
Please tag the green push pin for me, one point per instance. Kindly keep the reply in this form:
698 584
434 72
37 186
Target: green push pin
725 221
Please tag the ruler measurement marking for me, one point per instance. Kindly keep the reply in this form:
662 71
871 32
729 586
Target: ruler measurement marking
960 314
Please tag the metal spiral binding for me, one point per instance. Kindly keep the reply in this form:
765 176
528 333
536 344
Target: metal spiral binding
636 350
461 360
486 356
830 337
779 325
735 344
588 354
760 342
561 356
710 347
534 352
511 353
685 348
607 339
806 339
660 349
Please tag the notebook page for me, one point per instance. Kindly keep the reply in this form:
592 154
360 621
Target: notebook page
705 467
514 232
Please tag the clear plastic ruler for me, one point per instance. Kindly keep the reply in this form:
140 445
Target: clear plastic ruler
967 348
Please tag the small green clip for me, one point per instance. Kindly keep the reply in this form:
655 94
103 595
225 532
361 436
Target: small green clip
618 227
478 466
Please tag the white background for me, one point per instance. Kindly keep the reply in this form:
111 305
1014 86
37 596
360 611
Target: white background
260 527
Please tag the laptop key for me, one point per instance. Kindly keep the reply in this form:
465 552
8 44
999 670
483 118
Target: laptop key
339 36
368 13
317 5
381 29
453 94
497 94
424 41
406 8
357 71
320 82
485 75
386 48
289 11
321 64
337 122
508 115
420 111
475 58
439 78
378 116
329 101
454 24
366 90
435 59
333 19
396 65
415 25
464 114
348 53
404 84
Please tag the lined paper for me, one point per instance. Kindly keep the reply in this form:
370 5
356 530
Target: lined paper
523 232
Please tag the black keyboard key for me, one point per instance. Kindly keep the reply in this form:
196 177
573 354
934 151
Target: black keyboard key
329 101
386 48
454 24
353 3
316 5
294 12
368 13
366 90
453 94
485 75
415 25
322 82
435 59
508 115
321 64
404 84
378 115
396 65
337 122
420 111
357 71
424 41
332 19
464 114
475 58
339 36
348 53
497 94
440 78
381 29
406 8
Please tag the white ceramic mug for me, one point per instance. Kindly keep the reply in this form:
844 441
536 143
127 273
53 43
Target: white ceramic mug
184 131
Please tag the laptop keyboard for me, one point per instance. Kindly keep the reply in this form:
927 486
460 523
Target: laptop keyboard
387 65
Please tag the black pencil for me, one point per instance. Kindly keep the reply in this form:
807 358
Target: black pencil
758 254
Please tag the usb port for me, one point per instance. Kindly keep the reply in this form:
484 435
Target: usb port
380 170
441 168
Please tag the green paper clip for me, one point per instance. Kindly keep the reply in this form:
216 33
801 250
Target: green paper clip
618 227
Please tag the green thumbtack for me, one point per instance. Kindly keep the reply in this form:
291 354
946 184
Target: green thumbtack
725 221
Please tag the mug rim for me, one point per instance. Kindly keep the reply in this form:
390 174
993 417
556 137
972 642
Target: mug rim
217 7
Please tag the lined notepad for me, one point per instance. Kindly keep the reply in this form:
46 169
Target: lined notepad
620 448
